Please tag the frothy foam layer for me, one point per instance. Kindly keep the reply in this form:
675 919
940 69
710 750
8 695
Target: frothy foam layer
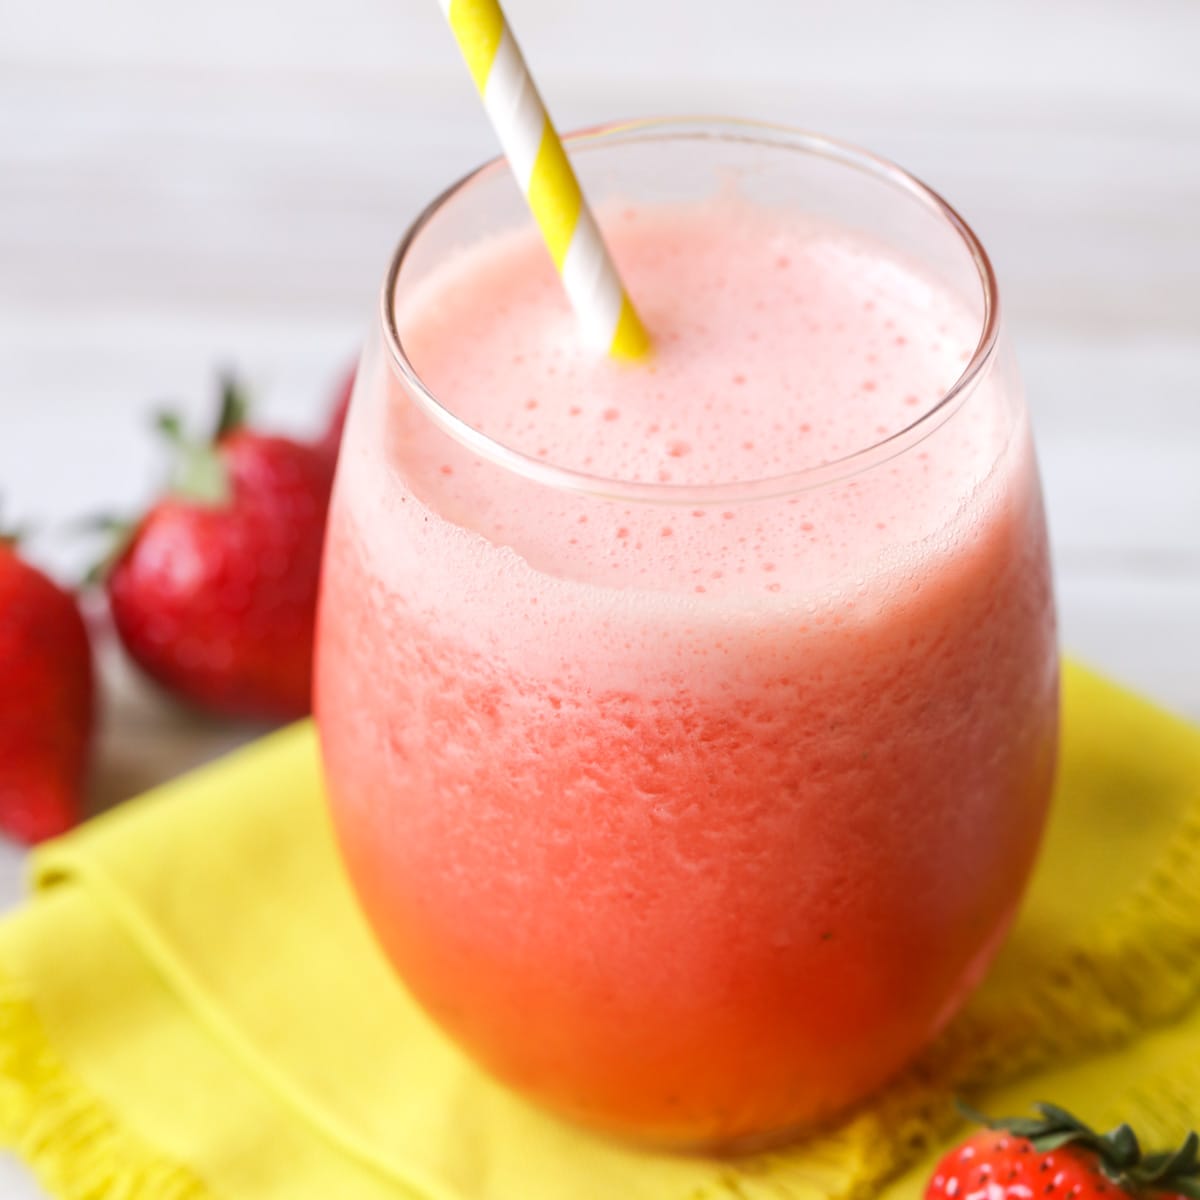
781 345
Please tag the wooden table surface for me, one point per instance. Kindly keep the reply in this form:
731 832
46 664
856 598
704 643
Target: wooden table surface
189 186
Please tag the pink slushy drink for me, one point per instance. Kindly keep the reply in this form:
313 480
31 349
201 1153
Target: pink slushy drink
689 726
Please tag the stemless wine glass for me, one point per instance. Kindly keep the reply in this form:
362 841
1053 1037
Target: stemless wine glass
697 863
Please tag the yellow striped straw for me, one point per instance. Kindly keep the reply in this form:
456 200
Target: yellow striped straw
544 173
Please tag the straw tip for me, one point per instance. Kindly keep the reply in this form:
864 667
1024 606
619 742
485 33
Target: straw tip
630 341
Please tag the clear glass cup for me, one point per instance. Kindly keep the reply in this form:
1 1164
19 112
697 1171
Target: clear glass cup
696 866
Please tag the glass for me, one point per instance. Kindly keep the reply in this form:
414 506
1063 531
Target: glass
694 860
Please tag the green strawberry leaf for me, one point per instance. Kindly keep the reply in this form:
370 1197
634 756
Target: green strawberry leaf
1119 1153
235 407
117 533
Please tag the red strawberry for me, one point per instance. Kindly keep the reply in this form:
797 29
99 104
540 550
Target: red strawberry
331 439
215 592
46 702
1057 1157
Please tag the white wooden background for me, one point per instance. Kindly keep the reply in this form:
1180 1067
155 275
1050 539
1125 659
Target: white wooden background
189 185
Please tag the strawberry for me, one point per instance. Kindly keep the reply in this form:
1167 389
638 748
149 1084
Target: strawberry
214 592
46 701
331 439
1057 1157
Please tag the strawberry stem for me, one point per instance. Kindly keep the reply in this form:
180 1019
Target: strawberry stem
199 475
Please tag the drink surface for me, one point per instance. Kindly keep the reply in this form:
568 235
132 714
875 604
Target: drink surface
694 820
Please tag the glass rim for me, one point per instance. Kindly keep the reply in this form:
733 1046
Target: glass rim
771 135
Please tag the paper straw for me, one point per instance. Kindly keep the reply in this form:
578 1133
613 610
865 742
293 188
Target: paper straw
540 164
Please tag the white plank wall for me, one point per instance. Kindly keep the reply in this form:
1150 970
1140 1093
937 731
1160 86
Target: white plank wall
185 186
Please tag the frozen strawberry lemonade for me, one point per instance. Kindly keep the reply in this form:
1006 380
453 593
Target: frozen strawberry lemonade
691 814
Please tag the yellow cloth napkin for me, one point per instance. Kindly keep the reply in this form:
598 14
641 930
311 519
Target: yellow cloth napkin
191 1007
